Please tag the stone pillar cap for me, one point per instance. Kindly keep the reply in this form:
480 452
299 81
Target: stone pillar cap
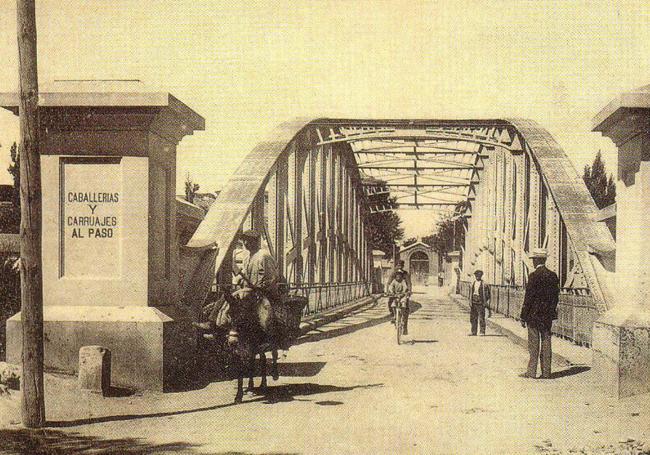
105 94
616 109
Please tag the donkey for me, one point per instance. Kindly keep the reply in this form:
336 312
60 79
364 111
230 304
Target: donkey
251 333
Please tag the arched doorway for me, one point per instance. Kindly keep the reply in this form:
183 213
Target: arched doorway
419 267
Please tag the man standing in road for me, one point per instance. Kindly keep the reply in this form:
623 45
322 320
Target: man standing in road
538 313
480 297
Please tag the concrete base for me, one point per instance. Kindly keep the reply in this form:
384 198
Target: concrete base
621 350
152 348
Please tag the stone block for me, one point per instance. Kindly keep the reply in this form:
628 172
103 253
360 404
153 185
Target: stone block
621 353
151 348
95 369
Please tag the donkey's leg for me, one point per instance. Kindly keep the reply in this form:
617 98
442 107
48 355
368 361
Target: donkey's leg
274 366
263 385
240 380
251 373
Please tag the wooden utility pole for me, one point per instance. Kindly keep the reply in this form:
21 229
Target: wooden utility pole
33 403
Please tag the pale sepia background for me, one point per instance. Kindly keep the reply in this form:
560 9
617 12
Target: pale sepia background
247 66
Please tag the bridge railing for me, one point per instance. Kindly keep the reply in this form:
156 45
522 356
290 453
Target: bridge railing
576 310
322 297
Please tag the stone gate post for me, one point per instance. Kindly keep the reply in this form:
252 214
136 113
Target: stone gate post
110 263
621 336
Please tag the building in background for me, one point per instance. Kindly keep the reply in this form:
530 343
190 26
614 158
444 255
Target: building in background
422 263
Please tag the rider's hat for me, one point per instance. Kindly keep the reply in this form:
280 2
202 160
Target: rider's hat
478 272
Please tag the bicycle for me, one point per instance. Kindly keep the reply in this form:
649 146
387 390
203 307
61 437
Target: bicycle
398 304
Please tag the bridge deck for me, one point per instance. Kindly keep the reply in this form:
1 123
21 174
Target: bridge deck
348 388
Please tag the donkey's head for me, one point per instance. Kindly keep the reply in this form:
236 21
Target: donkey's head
244 314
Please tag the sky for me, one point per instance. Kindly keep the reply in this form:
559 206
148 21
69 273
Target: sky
247 66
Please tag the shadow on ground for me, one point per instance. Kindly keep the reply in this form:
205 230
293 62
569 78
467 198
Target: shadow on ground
291 392
55 442
347 328
351 325
116 392
299 369
121 417
576 369
281 393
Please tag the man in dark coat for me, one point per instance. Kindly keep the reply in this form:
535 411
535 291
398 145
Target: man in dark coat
479 300
538 313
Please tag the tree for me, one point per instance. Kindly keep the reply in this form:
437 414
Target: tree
450 231
429 240
384 225
601 187
191 188
10 216
384 230
408 242
14 170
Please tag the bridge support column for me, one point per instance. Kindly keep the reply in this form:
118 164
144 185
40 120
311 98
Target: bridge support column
621 336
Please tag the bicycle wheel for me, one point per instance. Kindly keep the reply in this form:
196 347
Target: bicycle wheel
398 324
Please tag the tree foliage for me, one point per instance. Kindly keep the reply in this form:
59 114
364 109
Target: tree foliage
408 242
14 170
384 230
601 187
9 274
10 216
191 188
449 233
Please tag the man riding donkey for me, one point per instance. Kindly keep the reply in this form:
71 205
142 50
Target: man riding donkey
258 274
249 314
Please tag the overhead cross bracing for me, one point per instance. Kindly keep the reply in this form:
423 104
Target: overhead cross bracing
420 173
421 167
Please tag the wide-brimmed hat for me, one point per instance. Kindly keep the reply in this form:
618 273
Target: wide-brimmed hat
538 253
478 272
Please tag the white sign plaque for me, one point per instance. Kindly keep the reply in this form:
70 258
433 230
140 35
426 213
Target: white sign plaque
91 203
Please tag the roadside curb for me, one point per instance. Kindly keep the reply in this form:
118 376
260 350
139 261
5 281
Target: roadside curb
313 322
515 337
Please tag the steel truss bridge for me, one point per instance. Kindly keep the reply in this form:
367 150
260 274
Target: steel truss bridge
311 185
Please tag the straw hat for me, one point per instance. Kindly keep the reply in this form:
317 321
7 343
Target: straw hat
538 253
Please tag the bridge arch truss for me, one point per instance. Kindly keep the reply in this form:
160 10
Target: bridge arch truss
309 189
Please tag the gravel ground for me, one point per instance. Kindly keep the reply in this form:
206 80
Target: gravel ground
349 388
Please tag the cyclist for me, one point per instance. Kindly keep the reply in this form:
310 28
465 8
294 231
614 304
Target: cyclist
398 289
399 267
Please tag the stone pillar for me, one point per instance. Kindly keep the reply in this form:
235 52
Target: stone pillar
621 336
454 257
110 265
95 369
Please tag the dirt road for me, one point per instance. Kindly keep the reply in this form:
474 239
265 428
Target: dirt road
349 388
